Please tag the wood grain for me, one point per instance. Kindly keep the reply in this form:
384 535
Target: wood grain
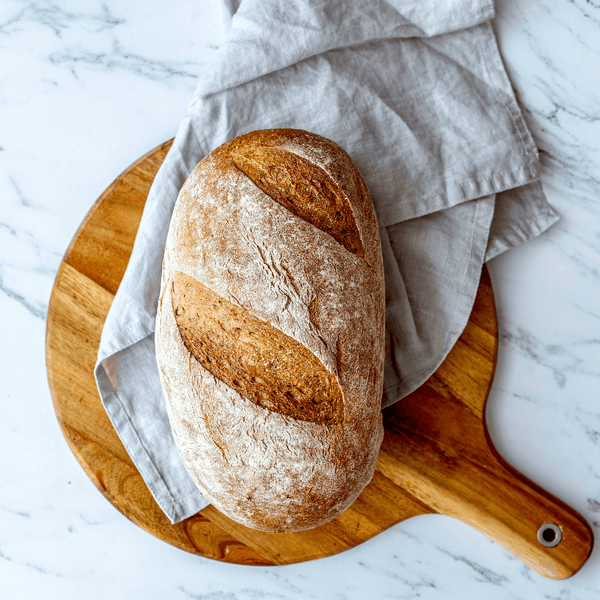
437 456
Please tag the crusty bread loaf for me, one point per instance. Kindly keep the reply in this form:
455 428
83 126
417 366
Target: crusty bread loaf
270 329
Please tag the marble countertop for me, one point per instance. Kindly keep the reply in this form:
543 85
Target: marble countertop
87 88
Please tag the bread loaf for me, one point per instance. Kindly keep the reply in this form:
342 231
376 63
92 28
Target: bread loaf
270 329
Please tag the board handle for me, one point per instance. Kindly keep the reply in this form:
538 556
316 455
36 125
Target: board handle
542 531
440 450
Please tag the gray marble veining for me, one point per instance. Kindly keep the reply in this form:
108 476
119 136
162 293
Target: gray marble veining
85 89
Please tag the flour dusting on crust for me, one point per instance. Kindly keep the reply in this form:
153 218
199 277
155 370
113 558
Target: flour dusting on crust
262 468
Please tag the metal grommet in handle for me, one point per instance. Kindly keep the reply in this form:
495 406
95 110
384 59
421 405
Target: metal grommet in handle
549 535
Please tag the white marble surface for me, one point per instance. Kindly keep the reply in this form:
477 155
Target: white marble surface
85 89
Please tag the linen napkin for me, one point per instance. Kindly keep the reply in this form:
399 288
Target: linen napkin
417 94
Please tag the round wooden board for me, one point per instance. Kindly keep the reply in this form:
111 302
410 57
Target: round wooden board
436 456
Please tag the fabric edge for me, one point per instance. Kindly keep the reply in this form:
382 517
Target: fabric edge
518 233
464 304
175 510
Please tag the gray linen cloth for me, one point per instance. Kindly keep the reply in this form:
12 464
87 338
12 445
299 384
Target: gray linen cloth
417 94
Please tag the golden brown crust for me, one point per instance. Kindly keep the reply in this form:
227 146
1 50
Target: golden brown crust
303 188
276 267
254 358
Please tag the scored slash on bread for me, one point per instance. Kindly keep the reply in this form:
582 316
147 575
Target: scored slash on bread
270 329
260 362
303 188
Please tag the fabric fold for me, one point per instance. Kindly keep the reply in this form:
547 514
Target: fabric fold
267 36
431 264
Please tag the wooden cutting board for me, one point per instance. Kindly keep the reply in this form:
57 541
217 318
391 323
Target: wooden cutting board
437 456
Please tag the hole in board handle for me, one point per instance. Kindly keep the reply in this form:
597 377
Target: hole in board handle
549 535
